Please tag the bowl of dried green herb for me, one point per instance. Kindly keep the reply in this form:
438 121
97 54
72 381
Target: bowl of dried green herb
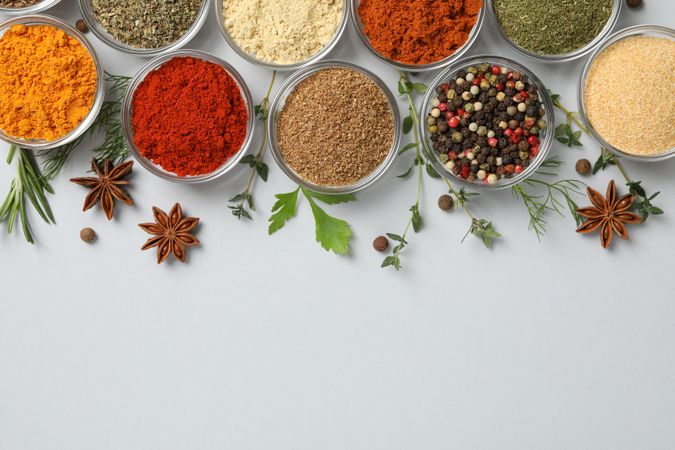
554 30
148 28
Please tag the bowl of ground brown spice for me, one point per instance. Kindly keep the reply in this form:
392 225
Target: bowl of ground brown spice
333 128
632 115
16 7
418 35
51 84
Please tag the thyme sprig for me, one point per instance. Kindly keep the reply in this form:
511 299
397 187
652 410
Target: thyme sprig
332 234
255 162
27 186
479 227
642 205
557 197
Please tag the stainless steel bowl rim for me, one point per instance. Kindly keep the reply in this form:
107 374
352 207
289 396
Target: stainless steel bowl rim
636 30
277 107
578 53
544 147
43 19
33 9
101 33
128 131
458 54
282 67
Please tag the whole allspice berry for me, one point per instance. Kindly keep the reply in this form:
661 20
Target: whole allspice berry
634 3
445 202
81 25
381 244
583 167
88 235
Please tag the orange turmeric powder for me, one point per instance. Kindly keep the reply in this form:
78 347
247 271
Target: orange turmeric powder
47 82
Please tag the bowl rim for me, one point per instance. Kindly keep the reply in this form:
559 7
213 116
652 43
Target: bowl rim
32 9
571 56
450 59
337 36
545 144
126 116
277 107
637 30
99 95
102 34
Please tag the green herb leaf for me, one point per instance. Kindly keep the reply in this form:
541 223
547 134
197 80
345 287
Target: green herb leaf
333 234
432 172
262 169
408 147
283 210
407 173
416 218
605 160
420 88
407 124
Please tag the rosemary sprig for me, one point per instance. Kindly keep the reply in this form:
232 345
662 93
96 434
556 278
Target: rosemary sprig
556 197
642 205
28 185
333 234
108 120
256 162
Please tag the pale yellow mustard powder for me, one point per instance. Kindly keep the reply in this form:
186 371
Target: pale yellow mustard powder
282 31
628 95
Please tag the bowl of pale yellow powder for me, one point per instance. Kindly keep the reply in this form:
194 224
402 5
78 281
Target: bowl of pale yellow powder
282 34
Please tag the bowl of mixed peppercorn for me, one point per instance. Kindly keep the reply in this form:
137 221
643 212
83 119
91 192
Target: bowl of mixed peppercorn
487 122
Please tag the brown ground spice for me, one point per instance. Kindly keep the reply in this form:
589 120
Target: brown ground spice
336 127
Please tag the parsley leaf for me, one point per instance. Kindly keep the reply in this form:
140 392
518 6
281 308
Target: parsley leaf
283 210
333 234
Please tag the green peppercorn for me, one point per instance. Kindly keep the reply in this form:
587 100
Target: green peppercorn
469 107
511 110
433 128
457 137
473 70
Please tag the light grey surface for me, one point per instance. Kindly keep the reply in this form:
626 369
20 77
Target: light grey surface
270 343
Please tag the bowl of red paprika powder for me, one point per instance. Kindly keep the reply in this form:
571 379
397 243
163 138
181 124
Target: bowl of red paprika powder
418 35
188 117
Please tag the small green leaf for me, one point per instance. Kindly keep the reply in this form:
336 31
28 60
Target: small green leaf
394 237
283 210
416 218
432 172
262 169
420 88
407 124
408 147
333 234
407 173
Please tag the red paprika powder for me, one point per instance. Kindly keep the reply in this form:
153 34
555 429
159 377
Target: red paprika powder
189 116
418 31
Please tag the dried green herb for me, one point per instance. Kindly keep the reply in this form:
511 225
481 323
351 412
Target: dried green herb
149 24
553 27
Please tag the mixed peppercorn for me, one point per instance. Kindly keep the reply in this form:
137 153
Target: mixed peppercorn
485 123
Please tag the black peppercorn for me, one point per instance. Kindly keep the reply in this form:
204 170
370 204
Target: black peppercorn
634 3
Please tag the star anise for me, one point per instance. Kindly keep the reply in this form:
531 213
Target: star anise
609 214
106 186
171 233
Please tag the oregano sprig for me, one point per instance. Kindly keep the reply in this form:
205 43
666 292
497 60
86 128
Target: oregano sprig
256 162
642 205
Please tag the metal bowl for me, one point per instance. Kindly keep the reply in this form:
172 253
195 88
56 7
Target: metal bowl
639 30
278 105
128 129
356 19
42 144
90 18
578 53
546 136
281 67
33 9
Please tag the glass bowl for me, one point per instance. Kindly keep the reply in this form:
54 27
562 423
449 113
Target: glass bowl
33 9
356 19
282 67
90 18
639 30
42 144
128 129
546 136
578 53
278 105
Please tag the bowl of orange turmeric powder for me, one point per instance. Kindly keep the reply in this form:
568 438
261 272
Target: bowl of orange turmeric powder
51 88
418 35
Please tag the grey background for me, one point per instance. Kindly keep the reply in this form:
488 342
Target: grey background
270 343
